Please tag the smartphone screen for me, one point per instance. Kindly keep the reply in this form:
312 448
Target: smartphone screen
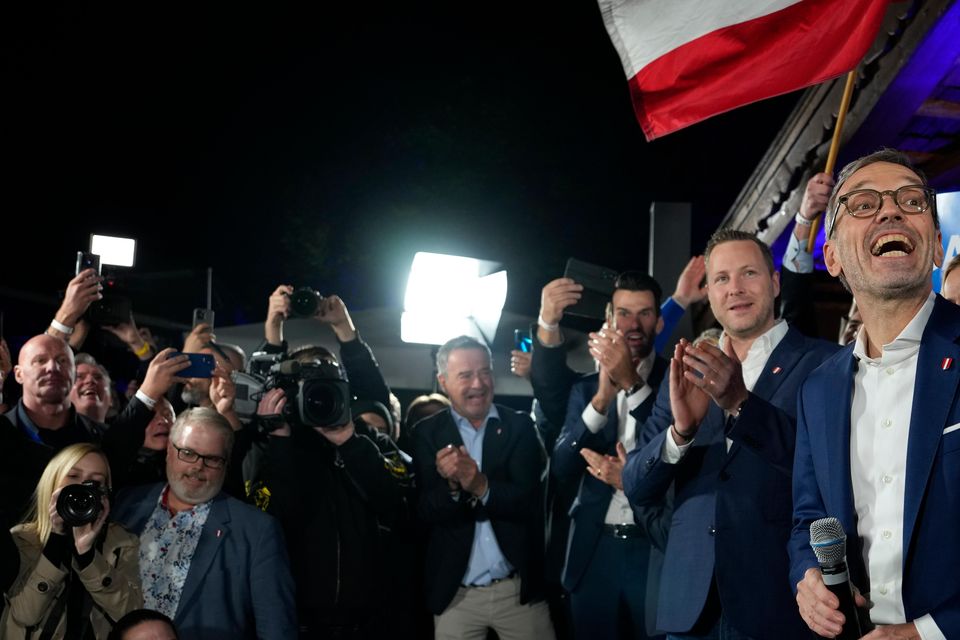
201 365
522 340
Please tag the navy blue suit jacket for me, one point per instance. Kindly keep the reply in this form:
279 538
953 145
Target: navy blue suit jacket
822 480
513 463
732 512
593 499
239 584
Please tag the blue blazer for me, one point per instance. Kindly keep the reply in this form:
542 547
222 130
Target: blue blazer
822 484
239 584
589 509
732 512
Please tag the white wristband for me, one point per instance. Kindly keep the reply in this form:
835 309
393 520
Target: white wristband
62 328
800 220
546 325
145 399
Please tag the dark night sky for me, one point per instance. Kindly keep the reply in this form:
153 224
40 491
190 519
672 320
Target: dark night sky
326 146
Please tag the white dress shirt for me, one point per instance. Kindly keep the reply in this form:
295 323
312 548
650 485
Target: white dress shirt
751 368
879 431
619 511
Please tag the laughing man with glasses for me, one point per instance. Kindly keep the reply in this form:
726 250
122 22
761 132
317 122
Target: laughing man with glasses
216 566
878 427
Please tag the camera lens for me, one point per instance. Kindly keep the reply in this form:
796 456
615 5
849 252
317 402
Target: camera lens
322 402
304 302
79 504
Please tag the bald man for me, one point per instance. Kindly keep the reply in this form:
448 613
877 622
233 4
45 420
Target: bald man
45 421
46 371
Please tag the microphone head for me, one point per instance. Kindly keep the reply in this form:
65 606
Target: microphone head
828 540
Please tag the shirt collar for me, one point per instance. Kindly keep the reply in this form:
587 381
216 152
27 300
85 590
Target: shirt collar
645 366
764 344
32 431
462 422
905 344
164 503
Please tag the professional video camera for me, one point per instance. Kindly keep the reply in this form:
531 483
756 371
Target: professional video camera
318 394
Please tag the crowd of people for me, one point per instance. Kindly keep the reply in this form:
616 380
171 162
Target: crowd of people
287 495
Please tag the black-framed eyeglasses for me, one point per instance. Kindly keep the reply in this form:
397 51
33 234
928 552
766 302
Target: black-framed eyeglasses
911 199
191 456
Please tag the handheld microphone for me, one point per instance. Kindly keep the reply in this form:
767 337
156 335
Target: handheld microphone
829 543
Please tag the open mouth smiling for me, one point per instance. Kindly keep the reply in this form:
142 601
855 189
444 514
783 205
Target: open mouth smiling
892 245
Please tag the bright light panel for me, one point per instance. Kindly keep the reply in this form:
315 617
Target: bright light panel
112 250
442 283
428 328
446 297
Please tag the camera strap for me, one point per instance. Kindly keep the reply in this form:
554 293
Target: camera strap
53 619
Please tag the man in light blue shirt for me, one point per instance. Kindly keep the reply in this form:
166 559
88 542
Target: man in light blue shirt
480 469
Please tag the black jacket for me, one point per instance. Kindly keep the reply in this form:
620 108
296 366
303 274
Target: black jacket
513 463
120 440
336 506
552 380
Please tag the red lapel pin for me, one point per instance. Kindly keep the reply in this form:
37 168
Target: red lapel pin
777 370
946 364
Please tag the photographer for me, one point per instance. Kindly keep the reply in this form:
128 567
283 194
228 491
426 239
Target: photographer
77 572
356 358
337 497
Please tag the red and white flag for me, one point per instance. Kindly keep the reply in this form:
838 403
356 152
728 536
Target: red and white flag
687 60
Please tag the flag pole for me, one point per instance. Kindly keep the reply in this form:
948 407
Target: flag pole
834 147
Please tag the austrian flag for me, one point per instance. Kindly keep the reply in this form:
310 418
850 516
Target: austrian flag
688 60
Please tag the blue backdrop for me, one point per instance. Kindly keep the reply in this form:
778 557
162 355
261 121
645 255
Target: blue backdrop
948 206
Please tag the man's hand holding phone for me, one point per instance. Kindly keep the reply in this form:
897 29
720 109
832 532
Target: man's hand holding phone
556 296
165 370
82 291
201 336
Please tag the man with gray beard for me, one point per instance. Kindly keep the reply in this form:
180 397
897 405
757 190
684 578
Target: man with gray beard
216 566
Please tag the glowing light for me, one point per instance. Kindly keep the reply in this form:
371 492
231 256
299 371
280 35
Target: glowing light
448 296
113 250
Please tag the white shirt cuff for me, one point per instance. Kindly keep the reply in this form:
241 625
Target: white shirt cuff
928 629
145 399
672 452
796 258
593 418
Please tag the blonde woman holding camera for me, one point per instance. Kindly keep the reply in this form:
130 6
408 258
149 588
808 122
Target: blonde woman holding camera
78 572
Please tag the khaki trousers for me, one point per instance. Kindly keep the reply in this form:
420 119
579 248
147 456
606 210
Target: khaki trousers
496 606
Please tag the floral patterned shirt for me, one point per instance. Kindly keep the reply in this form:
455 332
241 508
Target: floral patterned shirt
166 550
